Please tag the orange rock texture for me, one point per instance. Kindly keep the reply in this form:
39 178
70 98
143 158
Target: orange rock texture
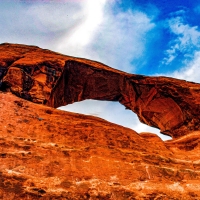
46 153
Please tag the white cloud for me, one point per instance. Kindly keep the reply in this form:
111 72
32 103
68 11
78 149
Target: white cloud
187 40
114 38
75 42
129 30
87 28
55 17
191 72
140 127
40 23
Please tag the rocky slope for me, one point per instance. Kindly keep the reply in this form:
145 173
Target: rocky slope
51 154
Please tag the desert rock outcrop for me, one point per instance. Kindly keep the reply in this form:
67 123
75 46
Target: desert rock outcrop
46 153
43 76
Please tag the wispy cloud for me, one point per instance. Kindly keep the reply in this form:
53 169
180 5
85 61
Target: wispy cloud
115 38
77 41
42 23
185 46
129 30
190 72
97 30
186 41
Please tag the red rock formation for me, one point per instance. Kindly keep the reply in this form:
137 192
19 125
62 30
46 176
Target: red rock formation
50 78
50 154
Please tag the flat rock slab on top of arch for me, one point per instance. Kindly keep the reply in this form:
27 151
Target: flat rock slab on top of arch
50 78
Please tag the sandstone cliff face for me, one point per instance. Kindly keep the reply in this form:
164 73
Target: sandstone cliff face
50 154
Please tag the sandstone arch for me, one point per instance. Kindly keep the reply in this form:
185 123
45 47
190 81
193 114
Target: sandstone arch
54 79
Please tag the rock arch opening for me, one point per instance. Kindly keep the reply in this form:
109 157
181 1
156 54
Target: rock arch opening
113 112
158 101
55 80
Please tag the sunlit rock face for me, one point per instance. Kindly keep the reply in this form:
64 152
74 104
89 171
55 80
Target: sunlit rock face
47 153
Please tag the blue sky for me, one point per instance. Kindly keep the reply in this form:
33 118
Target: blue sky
174 39
150 37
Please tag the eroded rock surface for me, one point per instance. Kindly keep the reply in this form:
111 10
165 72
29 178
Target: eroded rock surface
46 153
